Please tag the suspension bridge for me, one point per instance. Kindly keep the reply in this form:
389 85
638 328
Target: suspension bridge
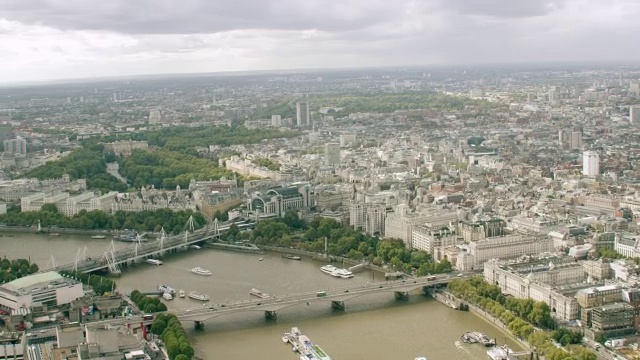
113 259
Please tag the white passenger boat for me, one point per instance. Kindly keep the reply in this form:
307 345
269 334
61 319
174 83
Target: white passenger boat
200 271
257 293
330 269
166 289
345 274
154 262
181 293
98 237
167 296
197 296
420 358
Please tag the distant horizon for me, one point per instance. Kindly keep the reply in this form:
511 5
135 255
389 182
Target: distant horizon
523 66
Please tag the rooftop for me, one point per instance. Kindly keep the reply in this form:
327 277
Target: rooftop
19 285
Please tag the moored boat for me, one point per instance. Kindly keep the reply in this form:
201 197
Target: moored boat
98 237
302 344
197 296
54 234
291 257
200 271
166 289
154 262
181 293
167 296
257 293
330 269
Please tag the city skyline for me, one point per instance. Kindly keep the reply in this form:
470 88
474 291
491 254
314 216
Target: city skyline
52 40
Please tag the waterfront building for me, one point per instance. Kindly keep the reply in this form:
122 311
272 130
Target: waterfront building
151 199
539 280
508 247
48 288
427 238
368 217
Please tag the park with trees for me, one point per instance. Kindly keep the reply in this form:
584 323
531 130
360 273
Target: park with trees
173 222
342 241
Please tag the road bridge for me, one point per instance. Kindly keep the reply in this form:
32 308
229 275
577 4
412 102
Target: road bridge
337 298
113 259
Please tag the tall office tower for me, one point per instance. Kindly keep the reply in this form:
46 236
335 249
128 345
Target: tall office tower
634 87
531 98
590 164
302 113
562 137
154 116
115 97
575 140
276 120
332 154
634 114
553 96
15 146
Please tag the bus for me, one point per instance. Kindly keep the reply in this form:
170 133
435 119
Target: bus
431 277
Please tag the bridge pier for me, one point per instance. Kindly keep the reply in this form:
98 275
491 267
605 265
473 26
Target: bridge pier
402 295
199 325
337 305
270 315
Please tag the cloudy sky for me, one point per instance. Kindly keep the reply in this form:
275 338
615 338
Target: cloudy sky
58 39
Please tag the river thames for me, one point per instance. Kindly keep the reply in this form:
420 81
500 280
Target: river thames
372 327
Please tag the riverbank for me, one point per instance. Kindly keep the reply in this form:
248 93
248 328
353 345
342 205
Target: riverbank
323 257
449 300
46 231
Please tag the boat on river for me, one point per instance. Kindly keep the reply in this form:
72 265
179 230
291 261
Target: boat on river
201 271
291 257
167 296
197 296
302 344
98 236
154 262
257 293
166 289
181 294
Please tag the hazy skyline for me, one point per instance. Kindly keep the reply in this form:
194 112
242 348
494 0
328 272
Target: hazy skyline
60 39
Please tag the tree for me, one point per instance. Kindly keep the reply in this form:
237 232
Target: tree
182 357
33 268
150 308
186 349
158 326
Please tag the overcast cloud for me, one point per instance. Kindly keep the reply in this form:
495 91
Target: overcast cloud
53 39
